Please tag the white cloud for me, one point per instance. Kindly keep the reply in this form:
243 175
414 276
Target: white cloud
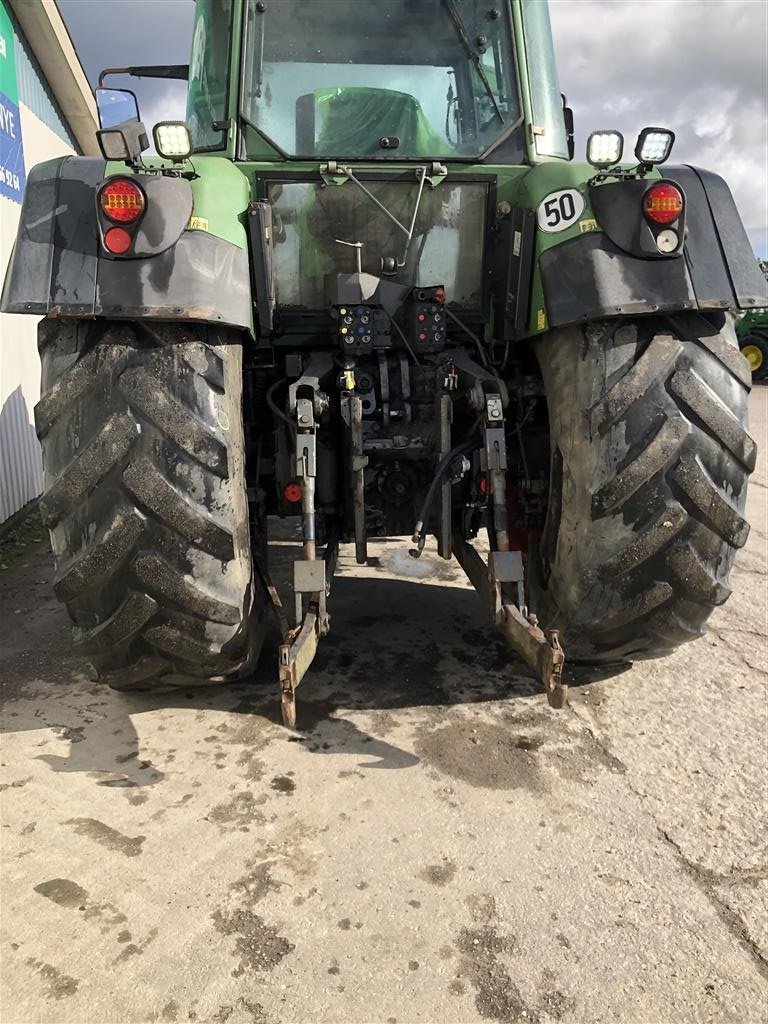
698 68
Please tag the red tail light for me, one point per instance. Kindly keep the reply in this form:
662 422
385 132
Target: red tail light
292 492
663 203
122 200
117 241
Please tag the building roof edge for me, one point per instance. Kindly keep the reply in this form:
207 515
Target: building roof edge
47 36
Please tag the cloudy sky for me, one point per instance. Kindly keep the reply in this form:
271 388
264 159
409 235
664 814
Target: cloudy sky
696 66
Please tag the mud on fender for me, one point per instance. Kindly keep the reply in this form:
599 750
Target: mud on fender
59 267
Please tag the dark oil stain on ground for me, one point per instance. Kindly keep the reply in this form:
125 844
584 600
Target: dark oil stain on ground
438 874
255 885
497 997
169 1014
239 813
554 1002
73 733
483 755
254 766
64 892
254 1010
129 846
577 756
282 784
258 944
18 784
135 949
57 984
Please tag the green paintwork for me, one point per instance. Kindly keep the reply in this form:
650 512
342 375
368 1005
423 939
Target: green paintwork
220 194
754 322
224 186
532 187
538 72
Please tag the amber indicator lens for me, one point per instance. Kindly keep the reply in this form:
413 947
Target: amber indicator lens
663 203
122 201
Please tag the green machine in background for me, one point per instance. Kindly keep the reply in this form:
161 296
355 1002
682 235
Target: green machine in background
367 284
752 332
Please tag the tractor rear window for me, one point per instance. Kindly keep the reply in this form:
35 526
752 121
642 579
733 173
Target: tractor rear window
448 245
411 79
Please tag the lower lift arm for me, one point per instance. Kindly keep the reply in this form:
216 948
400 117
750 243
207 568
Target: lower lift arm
501 582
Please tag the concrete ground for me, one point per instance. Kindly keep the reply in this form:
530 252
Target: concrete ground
436 845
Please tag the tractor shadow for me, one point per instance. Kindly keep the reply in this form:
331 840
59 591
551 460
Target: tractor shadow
394 645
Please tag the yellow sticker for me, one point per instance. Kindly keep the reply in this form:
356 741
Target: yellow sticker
588 225
541 320
197 224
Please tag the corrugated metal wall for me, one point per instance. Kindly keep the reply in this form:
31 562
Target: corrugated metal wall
21 472
34 91
45 135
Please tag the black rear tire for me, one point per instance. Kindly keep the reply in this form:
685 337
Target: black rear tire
145 499
650 459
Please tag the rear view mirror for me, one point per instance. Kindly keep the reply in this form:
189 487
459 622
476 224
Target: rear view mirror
116 106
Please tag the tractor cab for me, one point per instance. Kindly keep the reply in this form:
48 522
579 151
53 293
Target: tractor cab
364 80
351 112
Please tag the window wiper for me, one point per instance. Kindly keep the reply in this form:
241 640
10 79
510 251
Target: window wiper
464 39
259 69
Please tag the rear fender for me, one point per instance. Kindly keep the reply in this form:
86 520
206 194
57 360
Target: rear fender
178 269
602 265
599 263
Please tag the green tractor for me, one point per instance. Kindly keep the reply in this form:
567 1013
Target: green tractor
752 332
366 283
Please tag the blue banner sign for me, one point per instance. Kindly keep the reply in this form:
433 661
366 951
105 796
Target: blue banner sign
13 176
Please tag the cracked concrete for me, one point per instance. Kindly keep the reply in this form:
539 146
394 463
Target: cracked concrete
436 845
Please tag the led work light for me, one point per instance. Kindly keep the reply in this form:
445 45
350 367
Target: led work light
654 145
604 149
172 140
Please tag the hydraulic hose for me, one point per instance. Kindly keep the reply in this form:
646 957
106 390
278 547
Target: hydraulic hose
420 530
275 409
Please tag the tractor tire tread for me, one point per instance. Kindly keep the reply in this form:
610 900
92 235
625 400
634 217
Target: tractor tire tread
145 499
647 515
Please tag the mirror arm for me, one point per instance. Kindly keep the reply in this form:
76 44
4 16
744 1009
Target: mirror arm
176 71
